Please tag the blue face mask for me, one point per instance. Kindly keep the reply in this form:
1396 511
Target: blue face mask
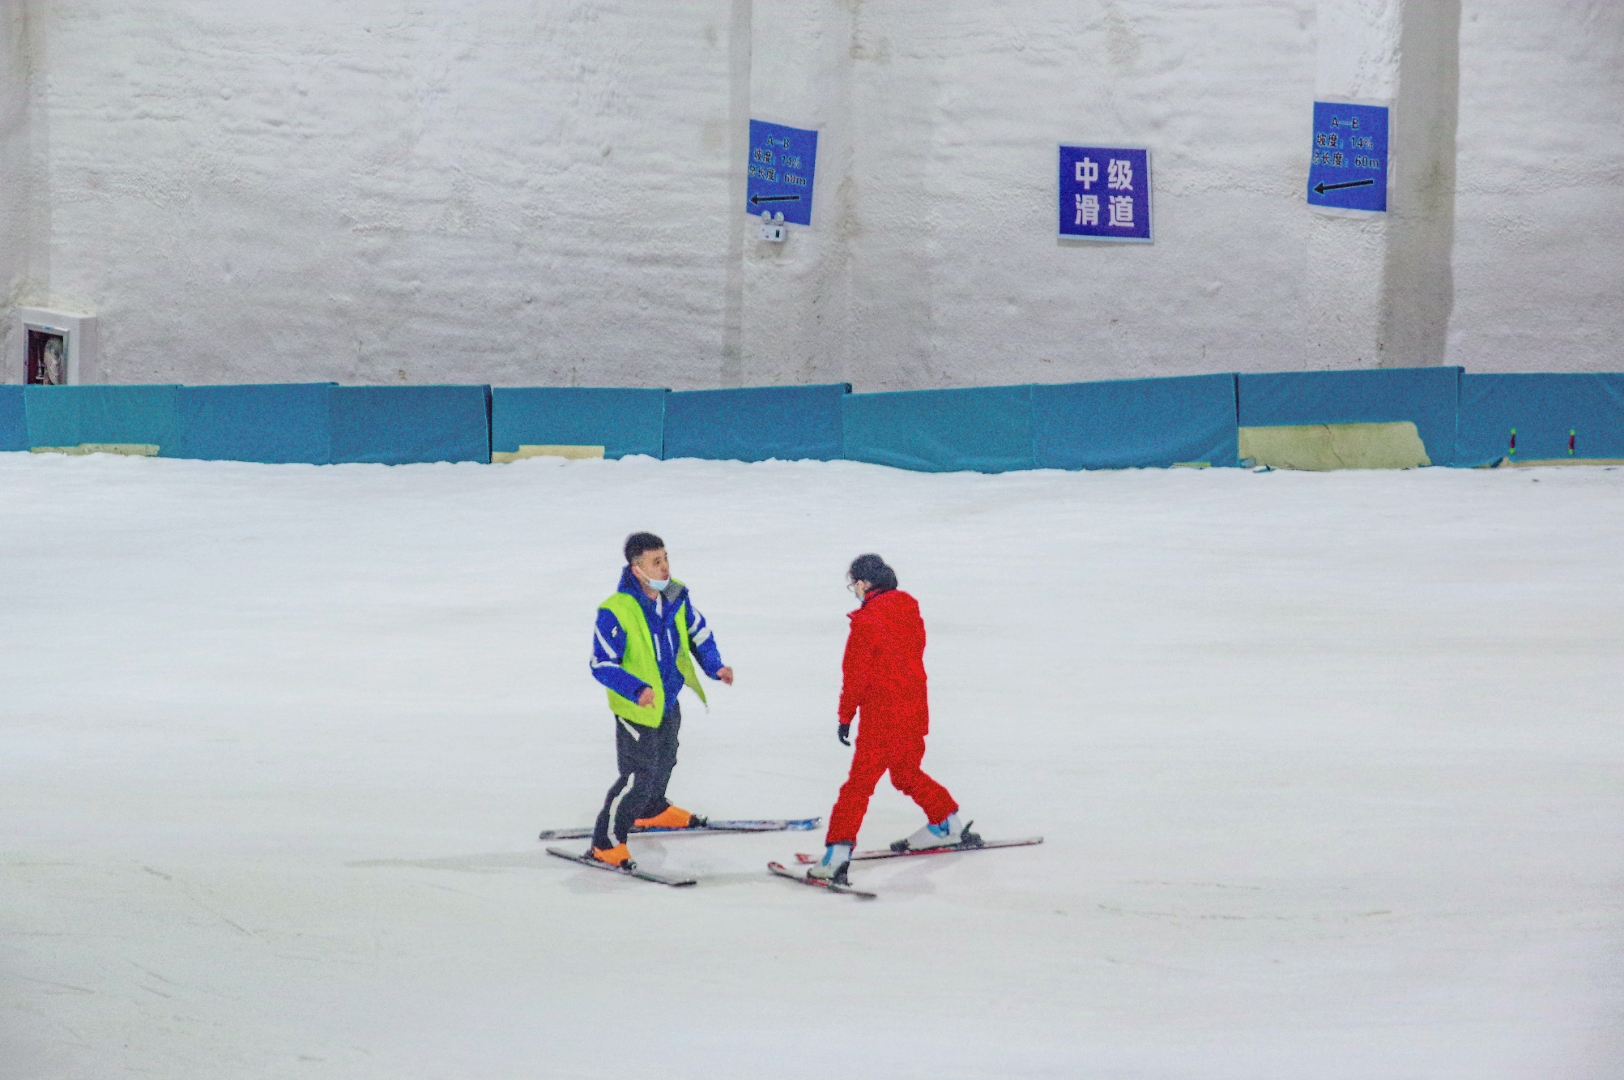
659 586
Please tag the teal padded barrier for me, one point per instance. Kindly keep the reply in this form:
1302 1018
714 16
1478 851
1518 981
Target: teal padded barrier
400 425
13 419
1135 423
274 423
1543 409
986 429
1428 397
790 423
72 415
622 421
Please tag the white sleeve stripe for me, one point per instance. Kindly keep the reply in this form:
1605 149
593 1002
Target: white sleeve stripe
596 663
606 646
703 636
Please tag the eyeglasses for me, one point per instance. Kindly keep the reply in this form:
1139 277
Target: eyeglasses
851 587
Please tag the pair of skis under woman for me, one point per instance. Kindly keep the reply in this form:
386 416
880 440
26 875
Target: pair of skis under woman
646 637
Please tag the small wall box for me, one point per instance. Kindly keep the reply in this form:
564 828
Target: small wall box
54 347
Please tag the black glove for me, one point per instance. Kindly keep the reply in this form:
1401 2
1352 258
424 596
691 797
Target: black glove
845 734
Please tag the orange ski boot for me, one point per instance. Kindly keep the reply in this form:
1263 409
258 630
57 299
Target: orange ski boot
614 856
672 817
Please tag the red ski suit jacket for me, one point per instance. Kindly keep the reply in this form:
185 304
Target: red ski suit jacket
884 668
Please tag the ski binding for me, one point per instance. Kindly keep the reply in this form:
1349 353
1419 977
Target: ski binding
886 853
632 871
785 872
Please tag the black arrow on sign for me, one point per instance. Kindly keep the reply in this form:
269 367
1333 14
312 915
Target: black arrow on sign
1322 187
757 200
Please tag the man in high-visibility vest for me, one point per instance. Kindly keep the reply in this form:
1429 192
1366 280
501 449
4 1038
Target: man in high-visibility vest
642 651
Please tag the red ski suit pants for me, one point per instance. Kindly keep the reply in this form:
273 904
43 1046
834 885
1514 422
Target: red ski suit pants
879 752
884 677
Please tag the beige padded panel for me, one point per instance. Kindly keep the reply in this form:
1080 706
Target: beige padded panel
127 449
575 453
1322 447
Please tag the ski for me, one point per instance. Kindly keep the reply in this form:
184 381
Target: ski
643 875
785 872
741 826
886 853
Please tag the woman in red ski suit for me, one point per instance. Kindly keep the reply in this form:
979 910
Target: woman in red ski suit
884 679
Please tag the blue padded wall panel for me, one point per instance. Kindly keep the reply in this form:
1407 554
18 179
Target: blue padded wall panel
1543 409
1135 423
988 429
13 419
1428 397
273 423
622 421
398 425
71 415
790 423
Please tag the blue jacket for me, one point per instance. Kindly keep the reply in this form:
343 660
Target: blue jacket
609 640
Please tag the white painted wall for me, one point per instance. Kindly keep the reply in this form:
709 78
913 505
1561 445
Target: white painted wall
1539 205
946 226
14 169
370 191
549 192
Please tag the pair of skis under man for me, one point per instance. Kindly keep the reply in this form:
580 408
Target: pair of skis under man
643 646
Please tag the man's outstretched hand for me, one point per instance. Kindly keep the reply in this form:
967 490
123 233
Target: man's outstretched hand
726 675
845 734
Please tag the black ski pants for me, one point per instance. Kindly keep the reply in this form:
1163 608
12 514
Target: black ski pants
646 757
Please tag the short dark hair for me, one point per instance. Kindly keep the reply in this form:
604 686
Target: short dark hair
872 569
637 543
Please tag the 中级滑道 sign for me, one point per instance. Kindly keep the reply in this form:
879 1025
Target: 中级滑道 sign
1105 193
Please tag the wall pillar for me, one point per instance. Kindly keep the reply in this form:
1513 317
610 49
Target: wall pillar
796 307
16 156
1378 288
740 56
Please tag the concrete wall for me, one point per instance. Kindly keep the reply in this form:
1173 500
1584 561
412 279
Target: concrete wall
943 227
378 192
550 192
15 154
1539 204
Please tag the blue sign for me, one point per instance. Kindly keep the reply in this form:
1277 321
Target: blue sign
1105 193
782 161
1349 169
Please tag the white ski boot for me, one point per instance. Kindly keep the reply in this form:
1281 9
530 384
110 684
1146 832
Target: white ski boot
836 861
946 833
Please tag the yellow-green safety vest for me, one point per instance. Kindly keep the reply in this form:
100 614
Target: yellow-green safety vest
640 663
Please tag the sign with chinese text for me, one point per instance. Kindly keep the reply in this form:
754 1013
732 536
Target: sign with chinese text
782 161
1349 168
1105 193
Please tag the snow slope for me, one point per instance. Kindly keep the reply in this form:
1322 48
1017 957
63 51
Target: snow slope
1331 768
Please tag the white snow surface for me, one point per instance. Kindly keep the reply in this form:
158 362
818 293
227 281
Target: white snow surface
1331 770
